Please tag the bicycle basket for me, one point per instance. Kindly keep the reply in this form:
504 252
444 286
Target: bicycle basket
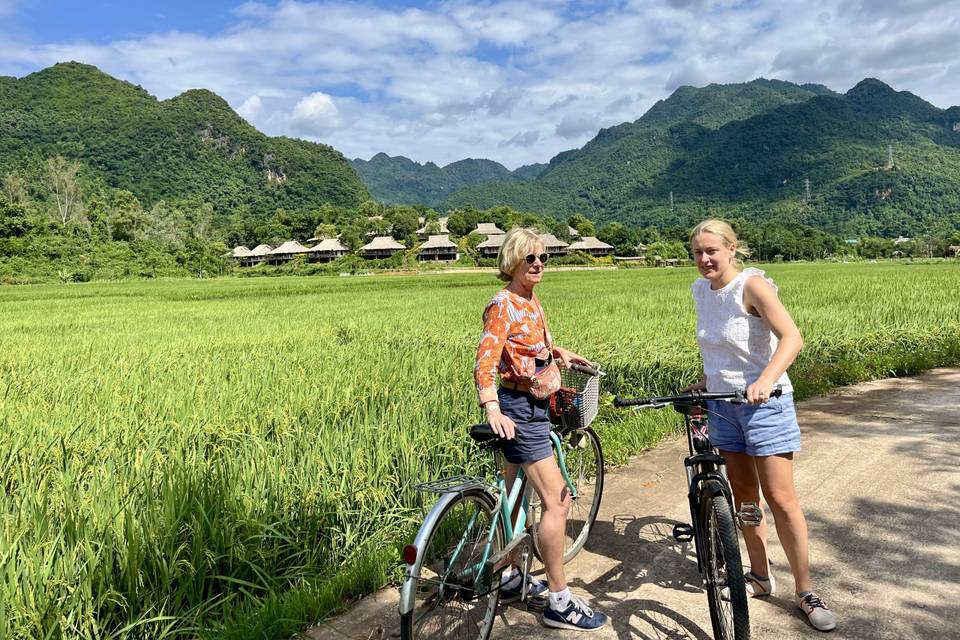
575 405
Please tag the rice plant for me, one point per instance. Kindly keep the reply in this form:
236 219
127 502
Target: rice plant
235 458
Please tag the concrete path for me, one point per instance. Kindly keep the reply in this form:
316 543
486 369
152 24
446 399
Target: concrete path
879 481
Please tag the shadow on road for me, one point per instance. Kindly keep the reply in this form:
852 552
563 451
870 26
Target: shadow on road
645 553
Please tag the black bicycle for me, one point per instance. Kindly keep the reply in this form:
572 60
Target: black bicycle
713 517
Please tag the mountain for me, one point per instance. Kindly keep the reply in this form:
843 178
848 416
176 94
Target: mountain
191 146
749 149
400 180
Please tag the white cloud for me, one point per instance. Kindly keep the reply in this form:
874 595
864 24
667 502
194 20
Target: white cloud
316 115
514 81
251 108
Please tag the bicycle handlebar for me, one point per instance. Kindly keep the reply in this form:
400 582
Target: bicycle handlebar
582 368
657 402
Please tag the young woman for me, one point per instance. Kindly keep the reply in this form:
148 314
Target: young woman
748 340
516 344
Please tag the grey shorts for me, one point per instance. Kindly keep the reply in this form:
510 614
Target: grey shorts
764 429
532 417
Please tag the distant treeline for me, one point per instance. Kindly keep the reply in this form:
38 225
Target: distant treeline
70 229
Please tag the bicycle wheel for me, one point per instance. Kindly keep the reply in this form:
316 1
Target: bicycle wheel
723 568
456 594
584 459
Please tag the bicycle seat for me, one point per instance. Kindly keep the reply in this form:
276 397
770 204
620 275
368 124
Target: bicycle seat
483 435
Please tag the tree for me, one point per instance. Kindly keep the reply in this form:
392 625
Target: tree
167 226
623 241
13 218
15 188
125 218
325 231
584 226
456 223
403 221
369 209
62 181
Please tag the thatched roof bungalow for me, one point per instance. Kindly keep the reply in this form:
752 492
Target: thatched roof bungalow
328 250
438 247
488 229
380 247
286 251
593 246
553 245
423 233
257 255
490 247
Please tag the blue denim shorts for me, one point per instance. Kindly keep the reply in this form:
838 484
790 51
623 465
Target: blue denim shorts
532 417
764 429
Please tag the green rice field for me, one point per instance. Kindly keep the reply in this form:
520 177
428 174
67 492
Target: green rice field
235 458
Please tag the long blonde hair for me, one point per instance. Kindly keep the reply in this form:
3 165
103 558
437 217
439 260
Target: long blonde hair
723 231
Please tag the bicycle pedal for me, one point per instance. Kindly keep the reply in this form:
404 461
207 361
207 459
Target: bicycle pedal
749 514
682 532
537 603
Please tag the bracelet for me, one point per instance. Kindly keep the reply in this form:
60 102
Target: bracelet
488 403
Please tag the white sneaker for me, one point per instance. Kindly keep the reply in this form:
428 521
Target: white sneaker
818 613
756 586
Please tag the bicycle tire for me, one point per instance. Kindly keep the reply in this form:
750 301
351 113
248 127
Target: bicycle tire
584 458
723 568
445 605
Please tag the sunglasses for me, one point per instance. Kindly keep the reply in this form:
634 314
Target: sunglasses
543 258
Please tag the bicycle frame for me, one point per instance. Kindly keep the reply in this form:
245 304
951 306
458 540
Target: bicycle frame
703 466
502 503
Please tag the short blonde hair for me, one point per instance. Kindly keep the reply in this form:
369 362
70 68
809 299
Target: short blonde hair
517 244
723 231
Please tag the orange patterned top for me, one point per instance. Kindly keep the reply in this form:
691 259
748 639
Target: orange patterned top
514 335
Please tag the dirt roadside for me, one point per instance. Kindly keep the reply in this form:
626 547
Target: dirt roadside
879 482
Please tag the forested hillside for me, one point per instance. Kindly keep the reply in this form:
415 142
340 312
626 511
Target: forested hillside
877 161
191 146
400 180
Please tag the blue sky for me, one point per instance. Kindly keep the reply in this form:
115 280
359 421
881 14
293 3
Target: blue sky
515 81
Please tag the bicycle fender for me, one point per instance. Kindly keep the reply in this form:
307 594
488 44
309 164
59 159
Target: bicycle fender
409 589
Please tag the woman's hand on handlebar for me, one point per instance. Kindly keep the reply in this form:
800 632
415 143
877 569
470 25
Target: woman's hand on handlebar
567 358
502 425
759 392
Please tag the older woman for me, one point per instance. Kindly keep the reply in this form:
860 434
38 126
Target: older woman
517 344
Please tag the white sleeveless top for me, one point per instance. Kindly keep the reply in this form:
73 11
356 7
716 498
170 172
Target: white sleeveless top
736 346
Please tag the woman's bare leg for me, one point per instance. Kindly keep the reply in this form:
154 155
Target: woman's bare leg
776 479
745 482
555 504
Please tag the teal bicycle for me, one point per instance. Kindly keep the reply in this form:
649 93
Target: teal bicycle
477 528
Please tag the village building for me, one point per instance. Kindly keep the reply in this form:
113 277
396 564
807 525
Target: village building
285 252
238 253
327 250
553 245
573 233
439 228
490 247
488 229
257 255
380 247
438 247
592 246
